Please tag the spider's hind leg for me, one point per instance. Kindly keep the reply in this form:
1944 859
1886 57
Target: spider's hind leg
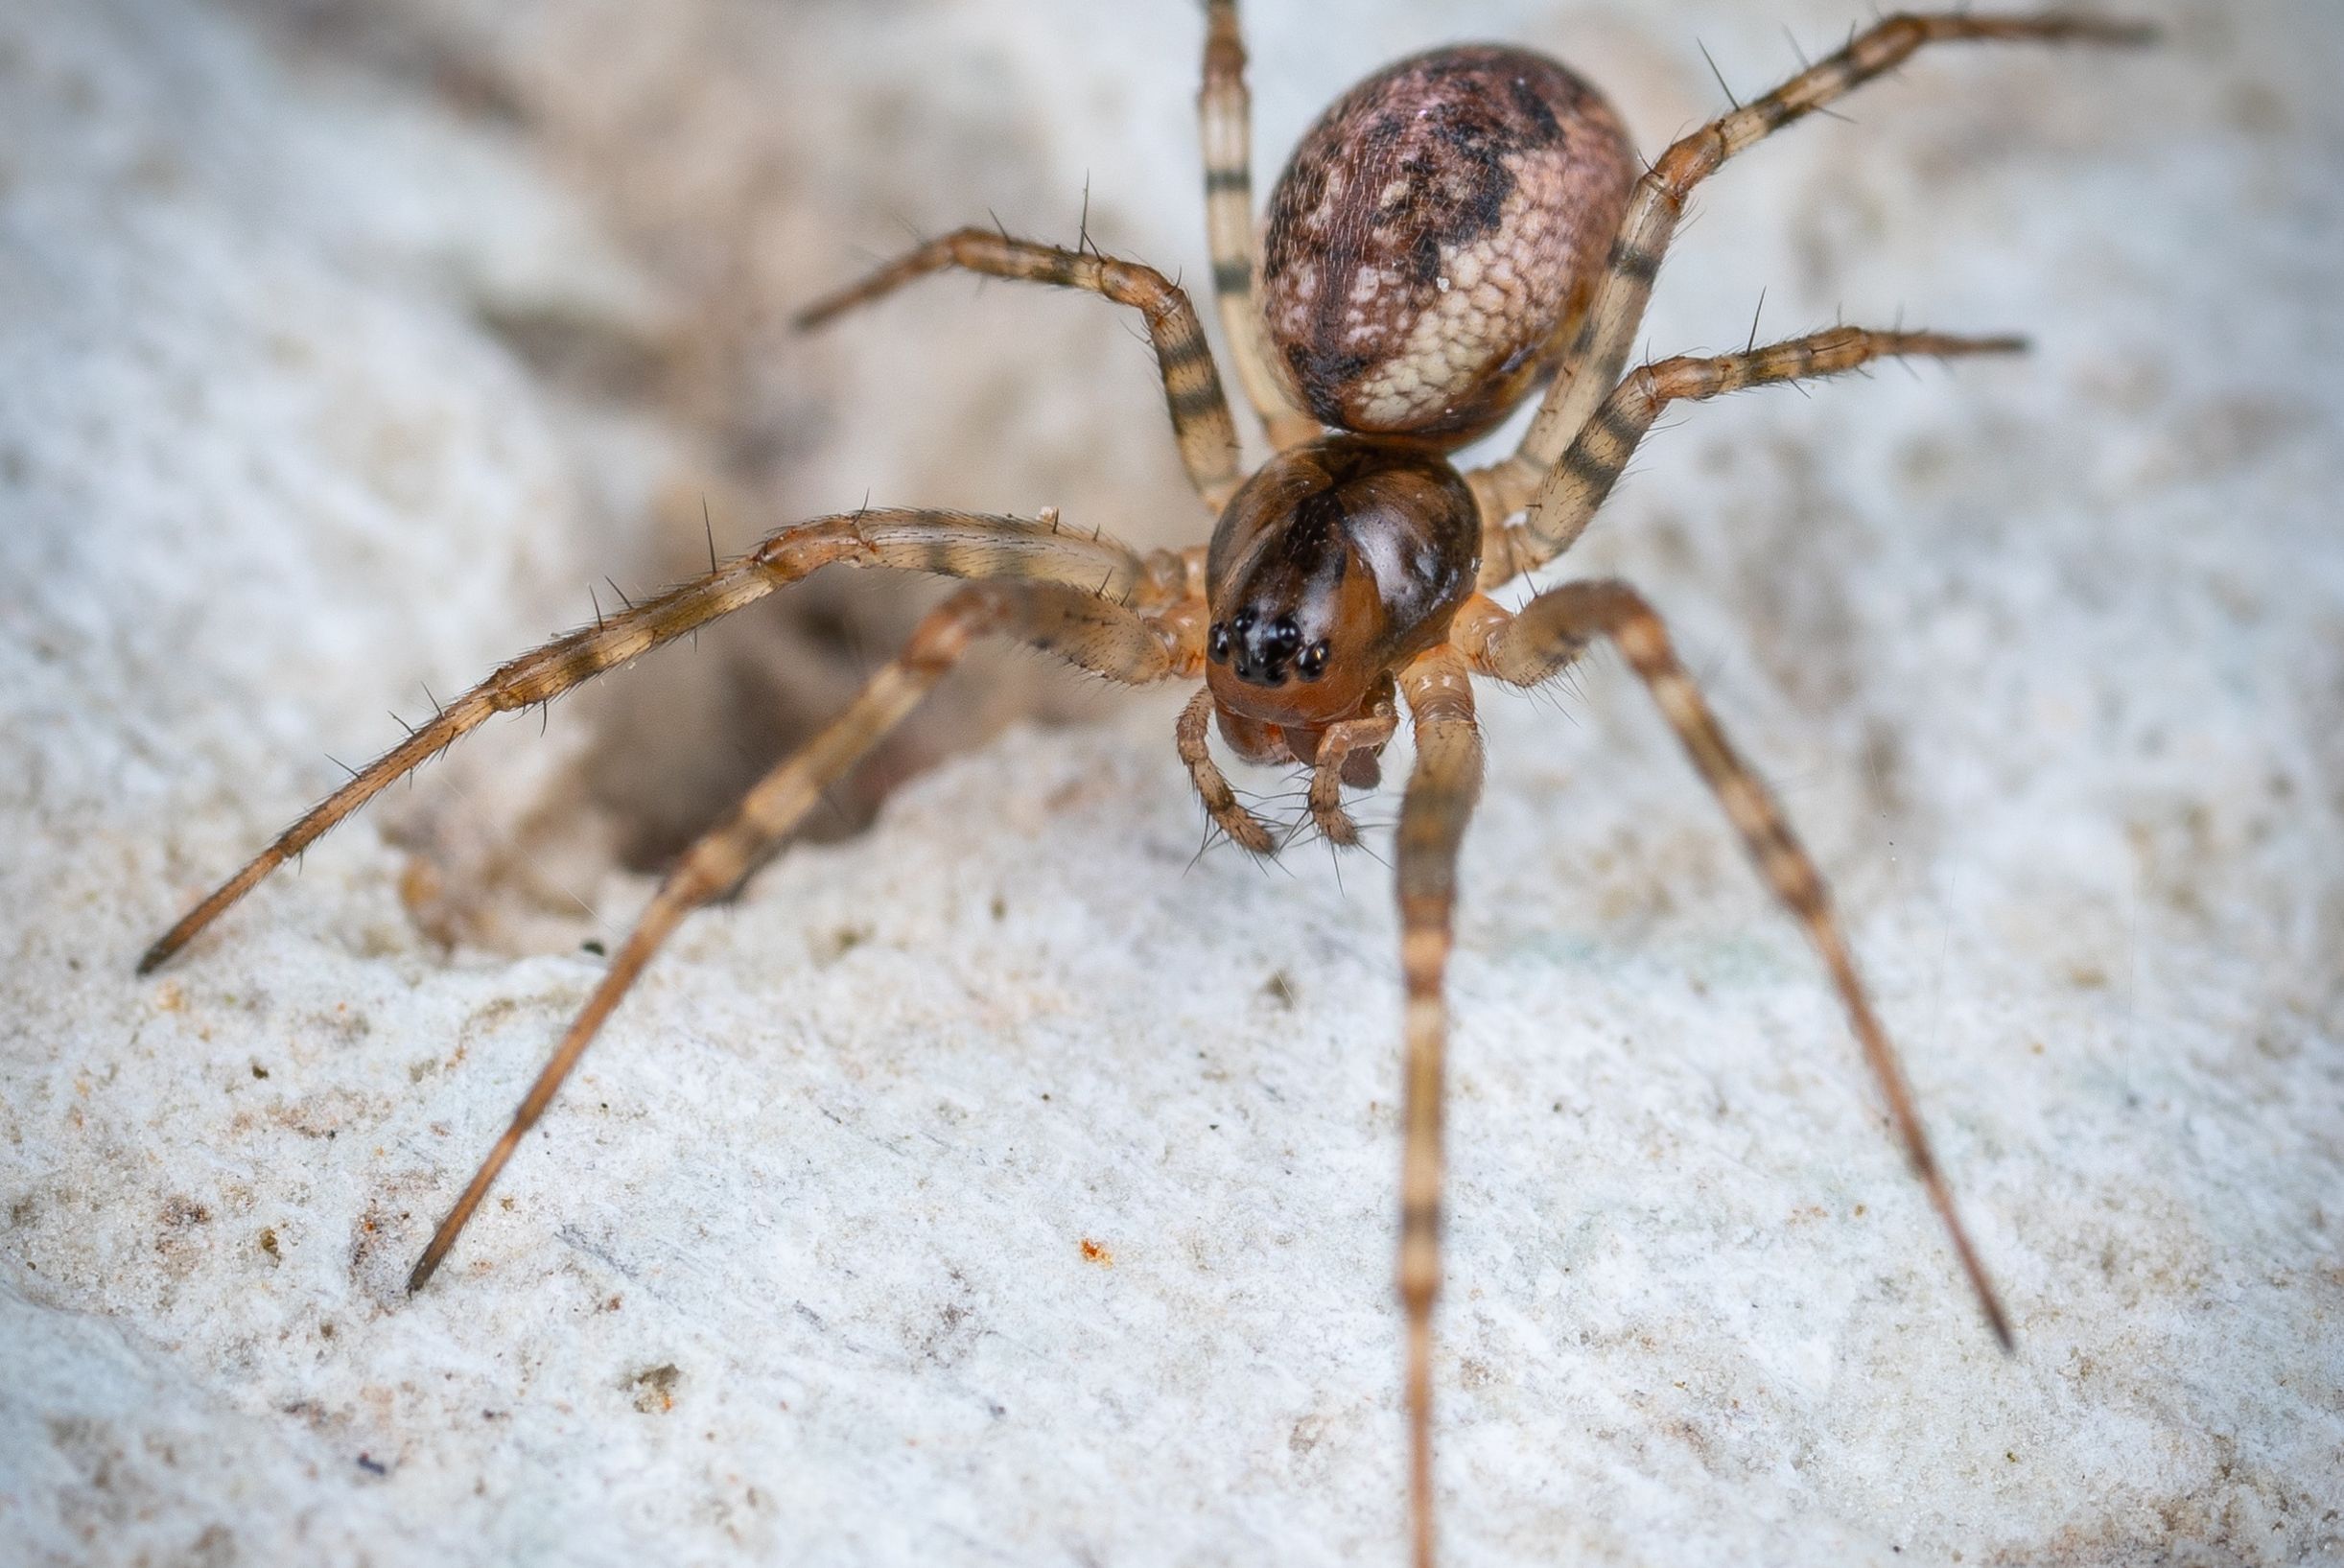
1201 422
1086 630
1225 114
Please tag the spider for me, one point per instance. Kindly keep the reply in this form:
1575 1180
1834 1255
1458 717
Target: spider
1459 230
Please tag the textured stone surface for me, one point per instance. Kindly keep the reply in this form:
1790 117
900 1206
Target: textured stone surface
999 1187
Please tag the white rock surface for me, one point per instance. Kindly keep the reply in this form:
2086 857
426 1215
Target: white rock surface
999 1187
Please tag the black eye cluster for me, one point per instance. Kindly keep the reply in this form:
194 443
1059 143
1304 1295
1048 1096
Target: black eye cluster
1260 649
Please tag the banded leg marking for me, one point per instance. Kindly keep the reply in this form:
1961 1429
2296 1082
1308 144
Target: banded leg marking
1201 423
1439 801
1554 629
951 544
1573 489
1608 330
1224 110
1077 625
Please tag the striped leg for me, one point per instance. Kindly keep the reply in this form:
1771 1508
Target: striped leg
1433 815
1574 488
1549 633
1201 421
1608 330
1224 111
953 543
1072 622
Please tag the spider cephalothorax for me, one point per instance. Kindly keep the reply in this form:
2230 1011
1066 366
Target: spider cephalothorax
1458 230
1339 561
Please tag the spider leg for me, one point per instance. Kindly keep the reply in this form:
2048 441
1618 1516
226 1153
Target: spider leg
1606 334
1551 631
1224 111
1433 813
951 544
1568 495
1201 422
1076 624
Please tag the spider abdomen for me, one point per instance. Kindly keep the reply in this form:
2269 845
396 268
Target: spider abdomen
1434 237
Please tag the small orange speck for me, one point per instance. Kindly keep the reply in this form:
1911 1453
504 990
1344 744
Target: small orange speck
169 998
1093 1253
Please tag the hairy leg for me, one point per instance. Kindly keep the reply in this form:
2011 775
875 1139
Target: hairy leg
1433 815
1551 631
1224 110
1609 329
1093 633
953 543
1567 498
1191 734
1338 742
1200 420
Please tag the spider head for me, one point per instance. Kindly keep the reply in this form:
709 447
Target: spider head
1283 627
1336 562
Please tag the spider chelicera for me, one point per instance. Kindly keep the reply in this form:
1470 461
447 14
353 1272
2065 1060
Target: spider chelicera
1456 231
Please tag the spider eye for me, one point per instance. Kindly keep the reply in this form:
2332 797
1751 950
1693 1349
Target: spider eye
1216 644
1313 663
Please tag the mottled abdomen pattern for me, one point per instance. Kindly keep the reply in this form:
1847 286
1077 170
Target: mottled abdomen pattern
1436 234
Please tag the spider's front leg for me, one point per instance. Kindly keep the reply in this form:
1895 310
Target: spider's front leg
1075 624
952 544
1550 632
1606 333
1433 815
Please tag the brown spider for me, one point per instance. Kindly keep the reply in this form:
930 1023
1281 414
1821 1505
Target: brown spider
1456 230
